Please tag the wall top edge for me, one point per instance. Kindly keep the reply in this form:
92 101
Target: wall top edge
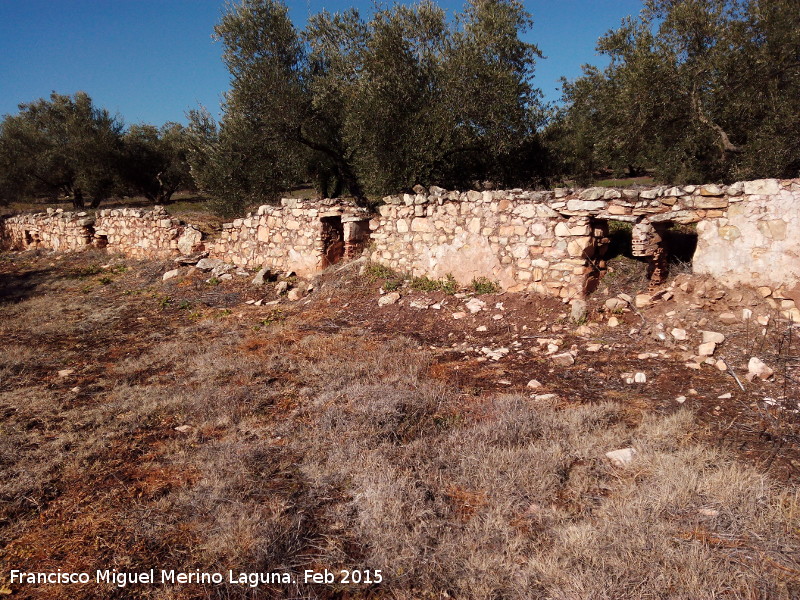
565 200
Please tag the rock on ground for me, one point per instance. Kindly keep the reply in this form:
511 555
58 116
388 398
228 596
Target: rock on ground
622 457
388 299
757 368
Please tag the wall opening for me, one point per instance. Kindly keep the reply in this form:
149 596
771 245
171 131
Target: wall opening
356 237
615 264
681 242
100 241
28 238
631 255
596 254
332 240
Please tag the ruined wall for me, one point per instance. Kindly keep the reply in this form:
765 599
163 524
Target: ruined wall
550 242
54 230
133 232
144 234
553 242
514 238
757 240
289 237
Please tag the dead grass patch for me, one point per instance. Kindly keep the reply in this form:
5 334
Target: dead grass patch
332 447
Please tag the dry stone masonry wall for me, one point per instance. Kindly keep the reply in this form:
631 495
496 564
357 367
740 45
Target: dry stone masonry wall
303 236
144 234
551 242
133 232
53 230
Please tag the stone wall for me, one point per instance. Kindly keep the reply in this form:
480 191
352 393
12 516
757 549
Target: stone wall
757 241
516 238
303 236
144 234
132 232
551 242
54 230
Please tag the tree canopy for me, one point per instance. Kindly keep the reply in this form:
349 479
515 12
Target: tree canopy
66 146
154 161
368 106
696 90
62 146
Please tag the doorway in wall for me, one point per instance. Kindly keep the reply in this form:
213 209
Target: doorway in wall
332 240
356 237
628 257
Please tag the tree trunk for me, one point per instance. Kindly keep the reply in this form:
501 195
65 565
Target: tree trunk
725 143
77 199
342 166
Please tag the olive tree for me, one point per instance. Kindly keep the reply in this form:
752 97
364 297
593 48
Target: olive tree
695 90
154 161
64 145
368 106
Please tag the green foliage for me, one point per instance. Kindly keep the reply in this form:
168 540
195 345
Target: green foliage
64 145
370 106
154 162
375 271
88 271
274 316
425 284
391 285
390 279
67 146
448 285
696 90
484 285
236 163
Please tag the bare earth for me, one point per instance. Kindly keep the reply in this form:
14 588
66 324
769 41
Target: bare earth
172 425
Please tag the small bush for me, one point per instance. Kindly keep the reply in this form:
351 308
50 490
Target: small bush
484 285
376 271
87 271
425 284
448 285
391 285
274 316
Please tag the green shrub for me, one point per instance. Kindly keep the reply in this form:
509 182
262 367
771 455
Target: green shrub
375 271
425 284
391 285
484 285
448 285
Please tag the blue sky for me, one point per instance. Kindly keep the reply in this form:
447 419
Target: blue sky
152 60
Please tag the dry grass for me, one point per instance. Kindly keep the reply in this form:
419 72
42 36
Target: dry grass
521 502
335 449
